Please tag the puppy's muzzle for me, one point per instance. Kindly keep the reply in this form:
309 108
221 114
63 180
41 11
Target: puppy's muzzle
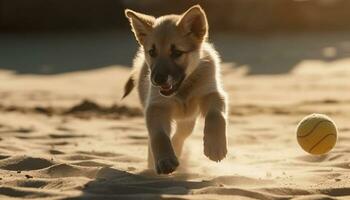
159 79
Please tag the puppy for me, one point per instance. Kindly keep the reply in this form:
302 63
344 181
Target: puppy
177 74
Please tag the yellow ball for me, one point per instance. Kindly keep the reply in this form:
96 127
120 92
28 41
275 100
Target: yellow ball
317 134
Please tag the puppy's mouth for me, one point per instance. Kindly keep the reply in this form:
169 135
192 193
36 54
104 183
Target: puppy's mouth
170 88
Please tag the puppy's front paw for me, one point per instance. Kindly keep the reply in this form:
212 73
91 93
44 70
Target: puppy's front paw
215 144
167 164
215 148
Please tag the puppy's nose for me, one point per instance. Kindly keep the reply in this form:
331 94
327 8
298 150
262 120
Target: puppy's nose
160 79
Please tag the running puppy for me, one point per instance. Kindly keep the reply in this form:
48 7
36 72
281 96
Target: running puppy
177 73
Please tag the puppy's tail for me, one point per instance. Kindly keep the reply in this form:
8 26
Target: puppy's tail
129 86
138 63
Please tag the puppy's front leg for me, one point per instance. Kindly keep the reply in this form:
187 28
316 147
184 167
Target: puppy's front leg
214 109
159 126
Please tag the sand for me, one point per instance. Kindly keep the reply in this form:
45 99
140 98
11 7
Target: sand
68 136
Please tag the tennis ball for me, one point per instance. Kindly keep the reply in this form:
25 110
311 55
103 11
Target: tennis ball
317 134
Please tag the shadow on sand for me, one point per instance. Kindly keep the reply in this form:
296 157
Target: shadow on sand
116 184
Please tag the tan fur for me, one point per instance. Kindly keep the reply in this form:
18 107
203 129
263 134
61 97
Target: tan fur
200 93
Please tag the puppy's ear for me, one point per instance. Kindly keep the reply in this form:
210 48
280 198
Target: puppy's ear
194 21
141 24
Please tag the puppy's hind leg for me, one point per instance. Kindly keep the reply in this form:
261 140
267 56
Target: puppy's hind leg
150 158
183 130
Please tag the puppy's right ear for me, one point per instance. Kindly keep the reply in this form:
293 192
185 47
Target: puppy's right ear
141 24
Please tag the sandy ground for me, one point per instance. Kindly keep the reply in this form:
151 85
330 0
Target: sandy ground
68 136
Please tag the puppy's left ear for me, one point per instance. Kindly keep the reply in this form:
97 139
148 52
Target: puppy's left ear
194 21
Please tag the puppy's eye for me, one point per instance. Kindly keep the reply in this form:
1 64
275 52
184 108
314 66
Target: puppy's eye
152 52
175 53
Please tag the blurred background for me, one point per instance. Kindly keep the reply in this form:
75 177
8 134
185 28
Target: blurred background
266 37
66 133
